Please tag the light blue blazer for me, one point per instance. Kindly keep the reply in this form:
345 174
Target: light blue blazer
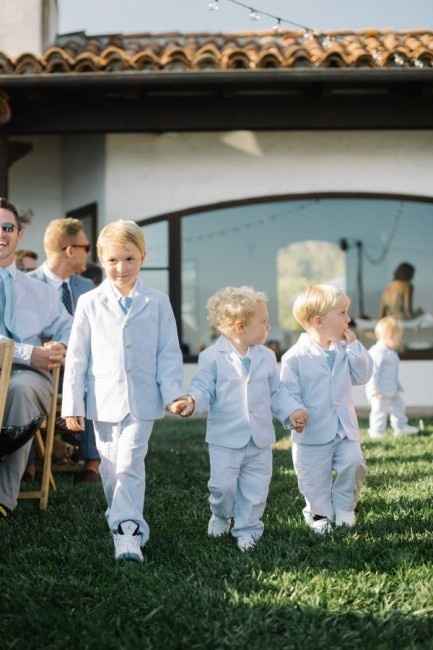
40 316
239 406
129 364
385 378
325 394
78 284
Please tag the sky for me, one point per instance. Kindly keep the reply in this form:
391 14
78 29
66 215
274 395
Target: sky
108 16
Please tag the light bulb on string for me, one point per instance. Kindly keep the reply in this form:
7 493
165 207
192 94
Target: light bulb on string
213 5
277 27
254 15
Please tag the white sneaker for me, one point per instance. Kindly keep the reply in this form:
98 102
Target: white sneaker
127 542
218 526
345 518
245 544
408 430
320 526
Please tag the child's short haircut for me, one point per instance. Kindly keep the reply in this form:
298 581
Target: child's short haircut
388 326
316 300
121 232
232 304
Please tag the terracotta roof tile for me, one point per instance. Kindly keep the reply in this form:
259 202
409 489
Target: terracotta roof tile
250 50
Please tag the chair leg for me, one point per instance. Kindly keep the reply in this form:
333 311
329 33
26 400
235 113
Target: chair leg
47 476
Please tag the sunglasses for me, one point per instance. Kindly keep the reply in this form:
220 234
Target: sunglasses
8 227
87 247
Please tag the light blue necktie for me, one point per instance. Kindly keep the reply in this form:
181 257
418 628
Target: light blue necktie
246 363
7 302
330 357
125 303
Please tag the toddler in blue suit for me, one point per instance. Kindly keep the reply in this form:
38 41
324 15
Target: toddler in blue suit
238 384
124 352
319 371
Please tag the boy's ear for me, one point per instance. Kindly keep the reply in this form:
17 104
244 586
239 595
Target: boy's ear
316 321
239 326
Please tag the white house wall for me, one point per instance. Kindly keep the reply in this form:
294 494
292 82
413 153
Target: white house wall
35 182
172 171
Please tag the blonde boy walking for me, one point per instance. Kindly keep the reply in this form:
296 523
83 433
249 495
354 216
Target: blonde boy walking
125 352
319 371
384 388
238 385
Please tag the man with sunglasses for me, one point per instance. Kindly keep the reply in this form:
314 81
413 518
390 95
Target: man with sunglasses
30 313
66 249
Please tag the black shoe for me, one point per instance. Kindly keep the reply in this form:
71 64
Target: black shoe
12 438
5 513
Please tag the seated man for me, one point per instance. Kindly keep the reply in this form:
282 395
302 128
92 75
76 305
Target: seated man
67 248
30 313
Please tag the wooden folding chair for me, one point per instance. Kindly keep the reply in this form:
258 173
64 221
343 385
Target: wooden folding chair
46 449
6 357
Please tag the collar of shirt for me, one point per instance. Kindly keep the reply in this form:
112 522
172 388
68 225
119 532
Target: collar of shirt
12 269
132 294
332 347
53 278
247 355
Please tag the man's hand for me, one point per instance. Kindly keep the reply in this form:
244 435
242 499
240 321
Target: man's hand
183 406
298 420
75 423
48 356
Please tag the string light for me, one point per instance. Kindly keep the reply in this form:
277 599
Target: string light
307 33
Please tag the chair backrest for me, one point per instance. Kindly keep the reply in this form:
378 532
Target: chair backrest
6 358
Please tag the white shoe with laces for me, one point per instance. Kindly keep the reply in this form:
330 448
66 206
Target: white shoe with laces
127 542
320 526
245 544
218 526
345 518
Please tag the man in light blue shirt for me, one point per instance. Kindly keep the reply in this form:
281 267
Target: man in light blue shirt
66 248
32 315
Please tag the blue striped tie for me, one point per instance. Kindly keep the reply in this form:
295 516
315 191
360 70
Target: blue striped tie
125 303
66 298
246 363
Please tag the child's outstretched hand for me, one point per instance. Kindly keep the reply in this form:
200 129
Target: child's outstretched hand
75 423
183 406
298 420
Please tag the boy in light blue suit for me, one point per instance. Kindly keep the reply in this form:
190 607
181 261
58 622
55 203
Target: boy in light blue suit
319 371
237 383
125 352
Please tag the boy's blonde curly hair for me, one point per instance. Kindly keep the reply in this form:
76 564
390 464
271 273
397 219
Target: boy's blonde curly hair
232 304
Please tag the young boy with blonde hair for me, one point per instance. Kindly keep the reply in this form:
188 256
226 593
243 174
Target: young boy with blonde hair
384 388
237 383
125 352
319 371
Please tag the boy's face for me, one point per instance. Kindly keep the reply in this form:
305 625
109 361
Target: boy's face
122 263
333 325
256 331
392 339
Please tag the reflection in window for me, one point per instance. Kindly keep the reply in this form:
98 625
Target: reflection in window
302 264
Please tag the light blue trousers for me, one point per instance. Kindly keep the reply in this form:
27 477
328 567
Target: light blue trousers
123 447
325 493
239 485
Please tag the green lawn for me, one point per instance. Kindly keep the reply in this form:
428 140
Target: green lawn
368 588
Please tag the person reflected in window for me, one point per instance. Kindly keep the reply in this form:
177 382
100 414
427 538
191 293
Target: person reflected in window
397 297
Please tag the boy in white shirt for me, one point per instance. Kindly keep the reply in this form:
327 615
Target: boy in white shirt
319 371
238 384
125 352
384 388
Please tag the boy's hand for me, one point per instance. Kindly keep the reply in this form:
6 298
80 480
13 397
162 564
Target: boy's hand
183 406
75 423
349 336
298 420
